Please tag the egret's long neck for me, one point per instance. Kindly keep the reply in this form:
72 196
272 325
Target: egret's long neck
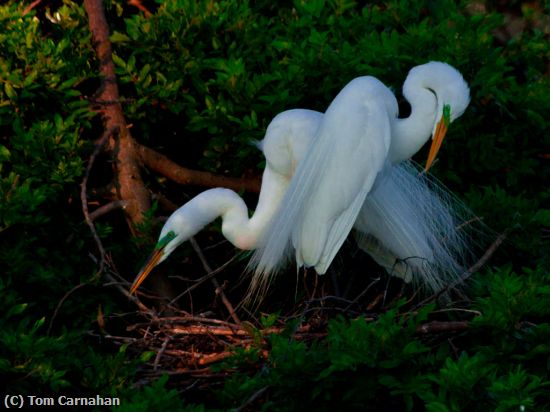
237 227
244 233
410 134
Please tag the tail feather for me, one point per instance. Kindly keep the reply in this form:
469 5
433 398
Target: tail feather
417 219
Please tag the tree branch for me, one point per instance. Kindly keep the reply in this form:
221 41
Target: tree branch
166 167
129 185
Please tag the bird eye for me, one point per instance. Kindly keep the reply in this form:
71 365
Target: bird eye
171 235
447 114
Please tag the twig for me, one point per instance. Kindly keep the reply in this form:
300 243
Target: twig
141 7
474 312
486 256
133 298
214 357
230 330
181 319
109 207
354 301
84 197
60 303
474 268
31 6
207 330
219 289
160 352
252 398
203 373
437 326
203 279
199 358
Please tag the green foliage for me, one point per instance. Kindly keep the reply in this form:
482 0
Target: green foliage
512 299
157 398
200 80
384 364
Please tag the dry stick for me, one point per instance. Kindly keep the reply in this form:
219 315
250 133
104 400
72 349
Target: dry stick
200 281
214 357
200 358
234 331
160 352
31 6
109 207
354 301
140 6
203 373
208 330
219 290
60 303
133 298
180 319
437 326
84 197
252 398
486 256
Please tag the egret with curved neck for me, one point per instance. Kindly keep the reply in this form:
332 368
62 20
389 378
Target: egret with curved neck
286 141
359 136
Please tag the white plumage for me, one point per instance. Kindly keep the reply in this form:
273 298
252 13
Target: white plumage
359 136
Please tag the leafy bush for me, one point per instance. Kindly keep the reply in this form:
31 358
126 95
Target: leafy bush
200 80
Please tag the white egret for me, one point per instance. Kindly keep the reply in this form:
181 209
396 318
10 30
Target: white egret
286 141
402 227
359 137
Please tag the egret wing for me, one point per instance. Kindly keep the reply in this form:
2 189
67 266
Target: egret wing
356 143
332 181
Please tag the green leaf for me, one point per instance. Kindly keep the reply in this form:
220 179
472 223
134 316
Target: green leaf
436 407
10 91
118 61
68 83
542 217
4 153
118 37
16 310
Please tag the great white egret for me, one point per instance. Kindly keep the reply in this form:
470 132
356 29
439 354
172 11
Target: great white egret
359 137
403 216
286 142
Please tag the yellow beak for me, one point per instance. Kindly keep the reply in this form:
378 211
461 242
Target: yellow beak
146 269
439 135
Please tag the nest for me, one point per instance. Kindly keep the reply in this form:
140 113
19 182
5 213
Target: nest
189 345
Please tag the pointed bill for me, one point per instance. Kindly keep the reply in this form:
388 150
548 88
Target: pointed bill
439 135
146 269
152 261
